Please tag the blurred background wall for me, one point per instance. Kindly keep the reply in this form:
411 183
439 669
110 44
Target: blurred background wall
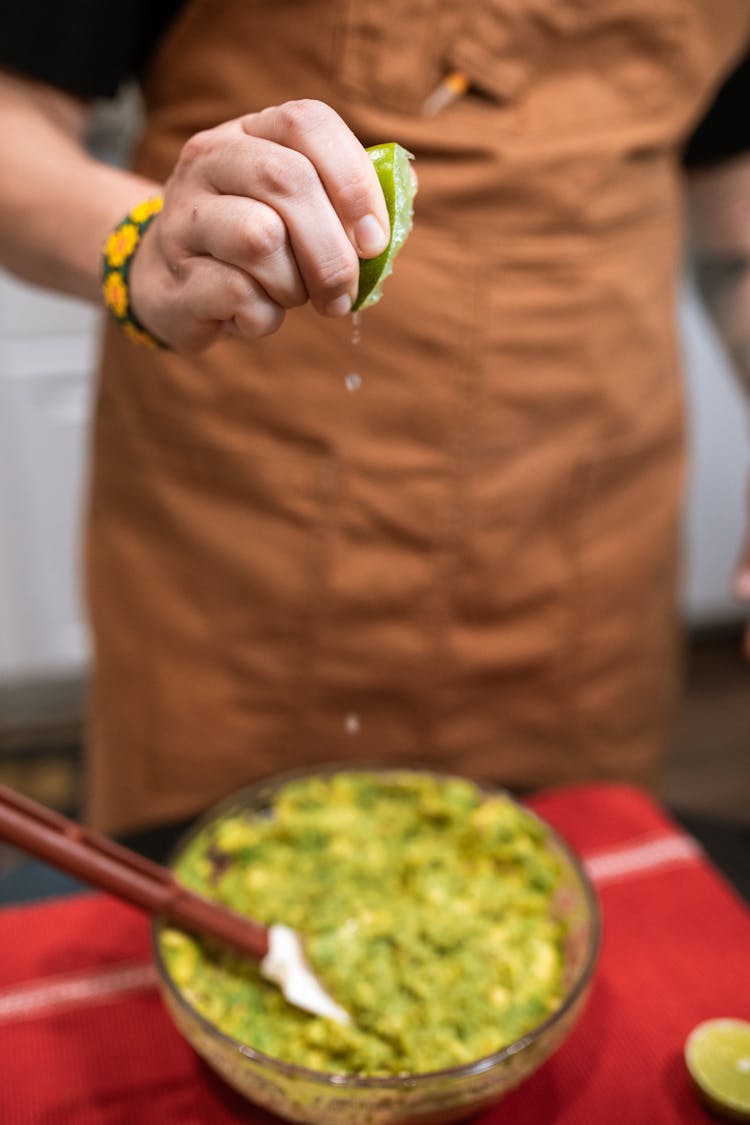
716 513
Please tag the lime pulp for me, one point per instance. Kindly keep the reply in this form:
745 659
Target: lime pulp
717 1054
392 164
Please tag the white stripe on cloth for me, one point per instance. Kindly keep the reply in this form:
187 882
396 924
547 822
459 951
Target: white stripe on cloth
90 986
74 990
641 857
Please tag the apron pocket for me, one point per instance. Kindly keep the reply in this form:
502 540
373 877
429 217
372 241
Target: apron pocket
649 18
396 54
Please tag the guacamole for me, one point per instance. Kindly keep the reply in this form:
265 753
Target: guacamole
426 911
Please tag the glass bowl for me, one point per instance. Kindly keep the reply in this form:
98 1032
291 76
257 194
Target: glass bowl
296 1093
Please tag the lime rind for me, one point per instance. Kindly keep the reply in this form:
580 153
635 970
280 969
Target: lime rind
392 164
717 1054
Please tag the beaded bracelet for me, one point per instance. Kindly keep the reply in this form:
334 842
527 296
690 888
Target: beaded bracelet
117 257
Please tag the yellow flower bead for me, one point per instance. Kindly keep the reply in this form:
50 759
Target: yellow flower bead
116 294
117 255
146 209
120 244
139 336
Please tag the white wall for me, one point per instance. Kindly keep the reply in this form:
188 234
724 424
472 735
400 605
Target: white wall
717 512
47 347
47 356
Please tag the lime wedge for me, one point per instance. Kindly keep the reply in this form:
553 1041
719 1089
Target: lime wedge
392 166
717 1054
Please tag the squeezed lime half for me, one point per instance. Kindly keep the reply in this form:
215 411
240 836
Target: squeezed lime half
717 1054
392 164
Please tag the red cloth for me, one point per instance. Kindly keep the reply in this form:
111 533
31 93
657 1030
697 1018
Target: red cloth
84 1039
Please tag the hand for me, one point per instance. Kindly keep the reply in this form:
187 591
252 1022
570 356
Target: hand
260 215
742 578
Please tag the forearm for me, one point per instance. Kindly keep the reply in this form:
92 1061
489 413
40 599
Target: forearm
719 217
58 204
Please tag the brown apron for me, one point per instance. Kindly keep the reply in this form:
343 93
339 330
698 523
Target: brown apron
469 561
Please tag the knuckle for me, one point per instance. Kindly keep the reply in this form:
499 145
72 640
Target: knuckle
274 321
265 235
303 115
296 298
259 321
286 174
356 195
337 273
195 149
238 291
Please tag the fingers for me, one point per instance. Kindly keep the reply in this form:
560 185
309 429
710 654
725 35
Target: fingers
253 237
206 299
306 165
288 184
342 165
214 291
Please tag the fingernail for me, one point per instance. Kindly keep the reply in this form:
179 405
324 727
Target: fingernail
340 307
370 237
